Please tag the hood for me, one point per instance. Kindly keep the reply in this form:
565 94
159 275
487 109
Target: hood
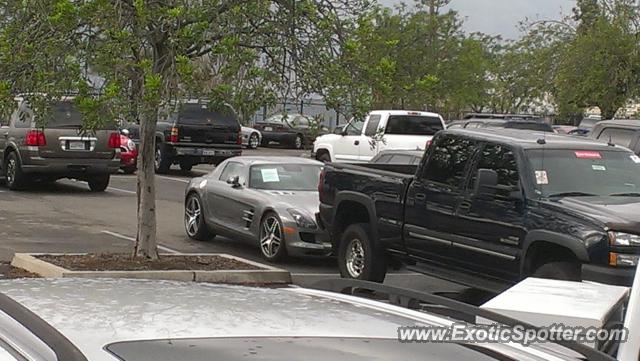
617 213
307 201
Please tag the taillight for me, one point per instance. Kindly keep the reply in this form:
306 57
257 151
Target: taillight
35 138
173 137
114 141
321 182
239 138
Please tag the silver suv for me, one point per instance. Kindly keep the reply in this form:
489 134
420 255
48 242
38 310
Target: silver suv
56 148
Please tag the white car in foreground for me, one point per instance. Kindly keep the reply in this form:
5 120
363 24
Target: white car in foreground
359 141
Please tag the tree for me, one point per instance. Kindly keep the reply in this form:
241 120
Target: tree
144 53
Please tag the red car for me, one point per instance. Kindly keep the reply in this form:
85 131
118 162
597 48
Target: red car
128 155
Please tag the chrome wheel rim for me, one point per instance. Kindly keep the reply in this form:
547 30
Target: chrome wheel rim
11 171
158 158
298 142
253 141
355 258
270 237
192 214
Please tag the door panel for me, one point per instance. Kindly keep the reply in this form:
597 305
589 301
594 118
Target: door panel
492 226
346 149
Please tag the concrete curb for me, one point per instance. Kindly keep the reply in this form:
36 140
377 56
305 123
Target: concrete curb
265 275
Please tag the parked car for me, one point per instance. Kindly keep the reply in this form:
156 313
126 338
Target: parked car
75 319
564 129
251 138
400 156
487 208
360 140
503 121
624 132
54 146
268 201
128 154
292 130
589 122
189 133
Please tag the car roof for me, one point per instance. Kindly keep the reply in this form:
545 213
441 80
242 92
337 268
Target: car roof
252 160
626 123
474 116
404 112
530 139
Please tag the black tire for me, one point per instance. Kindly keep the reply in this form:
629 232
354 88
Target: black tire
371 261
271 240
129 170
15 178
298 142
99 183
162 160
194 223
324 157
186 166
567 271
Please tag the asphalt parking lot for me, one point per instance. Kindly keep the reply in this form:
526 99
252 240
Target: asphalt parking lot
67 217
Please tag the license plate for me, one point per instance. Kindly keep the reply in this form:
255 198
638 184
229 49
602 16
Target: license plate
208 152
268 129
76 145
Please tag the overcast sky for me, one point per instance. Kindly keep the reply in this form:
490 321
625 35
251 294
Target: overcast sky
501 17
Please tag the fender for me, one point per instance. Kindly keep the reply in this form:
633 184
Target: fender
324 146
363 200
574 244
12 146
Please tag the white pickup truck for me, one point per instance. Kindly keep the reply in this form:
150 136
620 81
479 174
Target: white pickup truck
359 141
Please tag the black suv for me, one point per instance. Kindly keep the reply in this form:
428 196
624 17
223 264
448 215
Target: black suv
191 134
488 208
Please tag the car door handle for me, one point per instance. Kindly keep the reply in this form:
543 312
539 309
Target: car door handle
421 196
357 142
465 205
6 134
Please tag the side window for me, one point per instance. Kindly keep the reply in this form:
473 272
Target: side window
502 160
618 136
302 122
355 127
372 125
232 169
449 160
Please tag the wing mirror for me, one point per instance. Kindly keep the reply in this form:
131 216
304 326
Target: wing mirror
339 131
234 181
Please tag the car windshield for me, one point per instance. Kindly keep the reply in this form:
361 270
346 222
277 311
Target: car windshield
558 172
291 348
285 177
413 125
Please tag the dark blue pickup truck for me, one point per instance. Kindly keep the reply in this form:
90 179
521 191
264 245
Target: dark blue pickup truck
487 208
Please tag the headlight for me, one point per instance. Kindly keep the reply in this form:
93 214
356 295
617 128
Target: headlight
302 220
623 239
623 260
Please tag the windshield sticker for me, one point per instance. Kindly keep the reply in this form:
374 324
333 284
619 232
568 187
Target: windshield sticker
270 175
635 159
541 177
598 167
584 154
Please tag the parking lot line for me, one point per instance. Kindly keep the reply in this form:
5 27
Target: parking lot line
121 190
122 236
173 179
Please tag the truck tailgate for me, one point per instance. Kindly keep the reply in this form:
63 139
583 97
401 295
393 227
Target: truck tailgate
72 143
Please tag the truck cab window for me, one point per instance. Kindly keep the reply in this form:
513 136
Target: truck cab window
354 128
502 160
448 162
372 126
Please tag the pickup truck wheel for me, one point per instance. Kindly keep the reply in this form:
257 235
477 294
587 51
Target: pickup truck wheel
162 160
324 157
99 183
358 256
14 177
186 166
194 222
568 271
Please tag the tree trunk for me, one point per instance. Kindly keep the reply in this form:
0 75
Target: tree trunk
146 241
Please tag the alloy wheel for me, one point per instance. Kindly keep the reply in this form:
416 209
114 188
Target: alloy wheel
192 214
11 171
270 237
158 157
253 141
298 142
355 258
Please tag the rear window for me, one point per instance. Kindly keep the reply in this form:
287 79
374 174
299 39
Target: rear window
64 114
619 136
291 349
413 125
197 114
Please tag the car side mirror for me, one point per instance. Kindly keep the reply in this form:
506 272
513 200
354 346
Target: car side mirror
234 181
486 182
338 131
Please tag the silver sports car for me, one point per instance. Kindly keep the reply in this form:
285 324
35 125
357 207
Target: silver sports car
251 138
271 201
